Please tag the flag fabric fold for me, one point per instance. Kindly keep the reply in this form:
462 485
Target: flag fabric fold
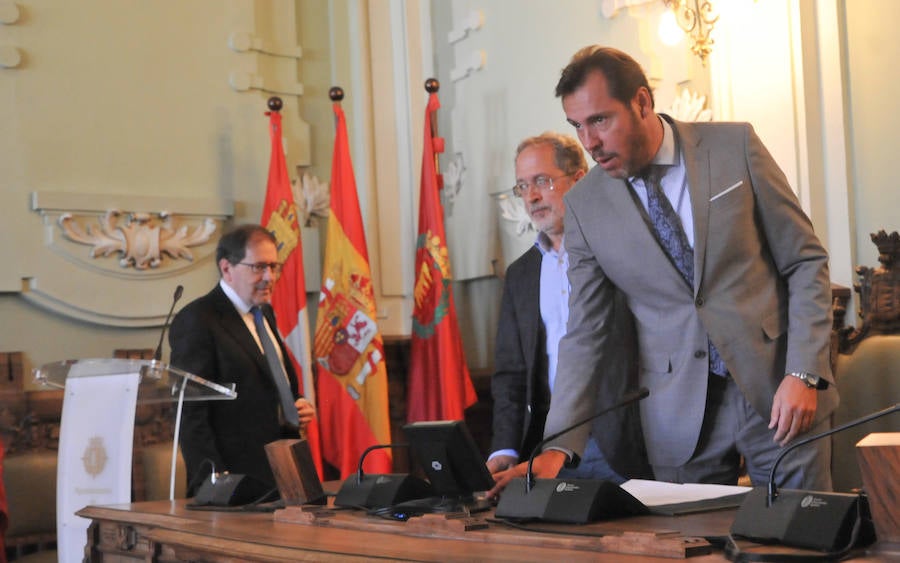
439 386
349 351
280 217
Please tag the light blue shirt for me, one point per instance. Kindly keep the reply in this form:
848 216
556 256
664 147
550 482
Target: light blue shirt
554 299
673 183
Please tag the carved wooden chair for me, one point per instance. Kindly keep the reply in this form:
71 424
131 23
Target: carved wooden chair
867 363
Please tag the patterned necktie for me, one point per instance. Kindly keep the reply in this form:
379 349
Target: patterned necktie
278 376
672 238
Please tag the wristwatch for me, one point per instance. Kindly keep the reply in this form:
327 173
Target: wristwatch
811 381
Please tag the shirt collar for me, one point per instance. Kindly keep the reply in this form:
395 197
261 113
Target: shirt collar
235 299
545 245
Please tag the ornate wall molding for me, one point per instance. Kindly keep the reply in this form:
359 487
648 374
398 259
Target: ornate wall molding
113 259
141 240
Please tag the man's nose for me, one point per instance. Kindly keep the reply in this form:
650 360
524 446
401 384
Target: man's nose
589 139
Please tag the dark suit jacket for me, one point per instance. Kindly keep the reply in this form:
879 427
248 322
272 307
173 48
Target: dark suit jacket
209 339
519 383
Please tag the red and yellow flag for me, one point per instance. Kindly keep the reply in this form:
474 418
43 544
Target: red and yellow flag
352 377
439 386
279 216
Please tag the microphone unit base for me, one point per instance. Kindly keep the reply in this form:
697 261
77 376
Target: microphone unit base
806 519
575 501
381 490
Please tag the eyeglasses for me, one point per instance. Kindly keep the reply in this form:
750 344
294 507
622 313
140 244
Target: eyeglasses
541 182
261 267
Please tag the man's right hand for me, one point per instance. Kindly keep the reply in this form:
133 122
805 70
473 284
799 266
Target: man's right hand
545 466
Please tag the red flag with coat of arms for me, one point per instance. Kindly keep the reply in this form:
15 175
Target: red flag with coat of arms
279 217
352 376
439 386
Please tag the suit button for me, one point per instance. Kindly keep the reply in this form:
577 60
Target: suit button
699 302
700 354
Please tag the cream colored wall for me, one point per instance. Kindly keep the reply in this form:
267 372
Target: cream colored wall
135 106
872 85
131 102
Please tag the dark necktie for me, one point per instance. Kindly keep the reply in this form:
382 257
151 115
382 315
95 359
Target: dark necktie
670 233
278 376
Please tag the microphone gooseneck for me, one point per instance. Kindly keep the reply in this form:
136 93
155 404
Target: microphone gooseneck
178 291
359 469
771 490
632 397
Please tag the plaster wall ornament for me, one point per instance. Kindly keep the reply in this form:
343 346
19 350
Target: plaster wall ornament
312 198
141 240
689 106
512 209
454 178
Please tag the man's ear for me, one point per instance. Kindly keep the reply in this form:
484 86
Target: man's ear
642 99
225 269
578 175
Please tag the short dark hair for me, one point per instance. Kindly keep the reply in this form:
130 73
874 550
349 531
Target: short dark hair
233 244
567 152
624 76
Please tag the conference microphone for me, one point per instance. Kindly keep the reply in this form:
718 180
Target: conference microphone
577 501
809 519
381 490
178 291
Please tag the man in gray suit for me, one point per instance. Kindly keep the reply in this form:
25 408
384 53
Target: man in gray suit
727 282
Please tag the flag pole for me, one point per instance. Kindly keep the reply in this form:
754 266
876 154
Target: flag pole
432 85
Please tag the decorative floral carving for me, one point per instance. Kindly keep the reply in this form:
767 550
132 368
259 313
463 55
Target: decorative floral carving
141 239
312 198
688 106
513 209
454 176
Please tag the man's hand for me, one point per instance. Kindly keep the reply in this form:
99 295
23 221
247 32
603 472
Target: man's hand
545 466
793 410
500 463
305 412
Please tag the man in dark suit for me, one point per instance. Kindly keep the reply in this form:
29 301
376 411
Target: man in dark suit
533 317
725 277
215 337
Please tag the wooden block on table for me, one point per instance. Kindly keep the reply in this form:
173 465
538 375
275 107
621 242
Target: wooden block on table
295 473
879 462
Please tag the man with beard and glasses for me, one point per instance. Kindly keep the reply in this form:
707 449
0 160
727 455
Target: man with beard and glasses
533 314
216 337
728 284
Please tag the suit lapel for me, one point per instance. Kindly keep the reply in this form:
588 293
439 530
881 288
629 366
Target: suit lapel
531 315
696 164
234 325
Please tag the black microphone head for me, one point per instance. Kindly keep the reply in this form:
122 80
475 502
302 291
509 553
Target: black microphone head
178 291
641 393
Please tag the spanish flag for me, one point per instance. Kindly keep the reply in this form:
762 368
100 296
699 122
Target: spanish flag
352 377
439 386
279 216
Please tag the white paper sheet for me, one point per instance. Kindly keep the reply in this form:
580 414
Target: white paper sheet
658 493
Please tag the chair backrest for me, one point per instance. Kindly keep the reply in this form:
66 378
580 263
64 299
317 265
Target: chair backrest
31 495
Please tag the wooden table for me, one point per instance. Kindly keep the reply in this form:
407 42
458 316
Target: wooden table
167 531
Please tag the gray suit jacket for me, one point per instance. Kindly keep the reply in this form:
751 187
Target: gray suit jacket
761 290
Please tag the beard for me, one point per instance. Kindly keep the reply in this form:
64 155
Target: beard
636 143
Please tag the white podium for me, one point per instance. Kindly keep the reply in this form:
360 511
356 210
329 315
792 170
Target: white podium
97 432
